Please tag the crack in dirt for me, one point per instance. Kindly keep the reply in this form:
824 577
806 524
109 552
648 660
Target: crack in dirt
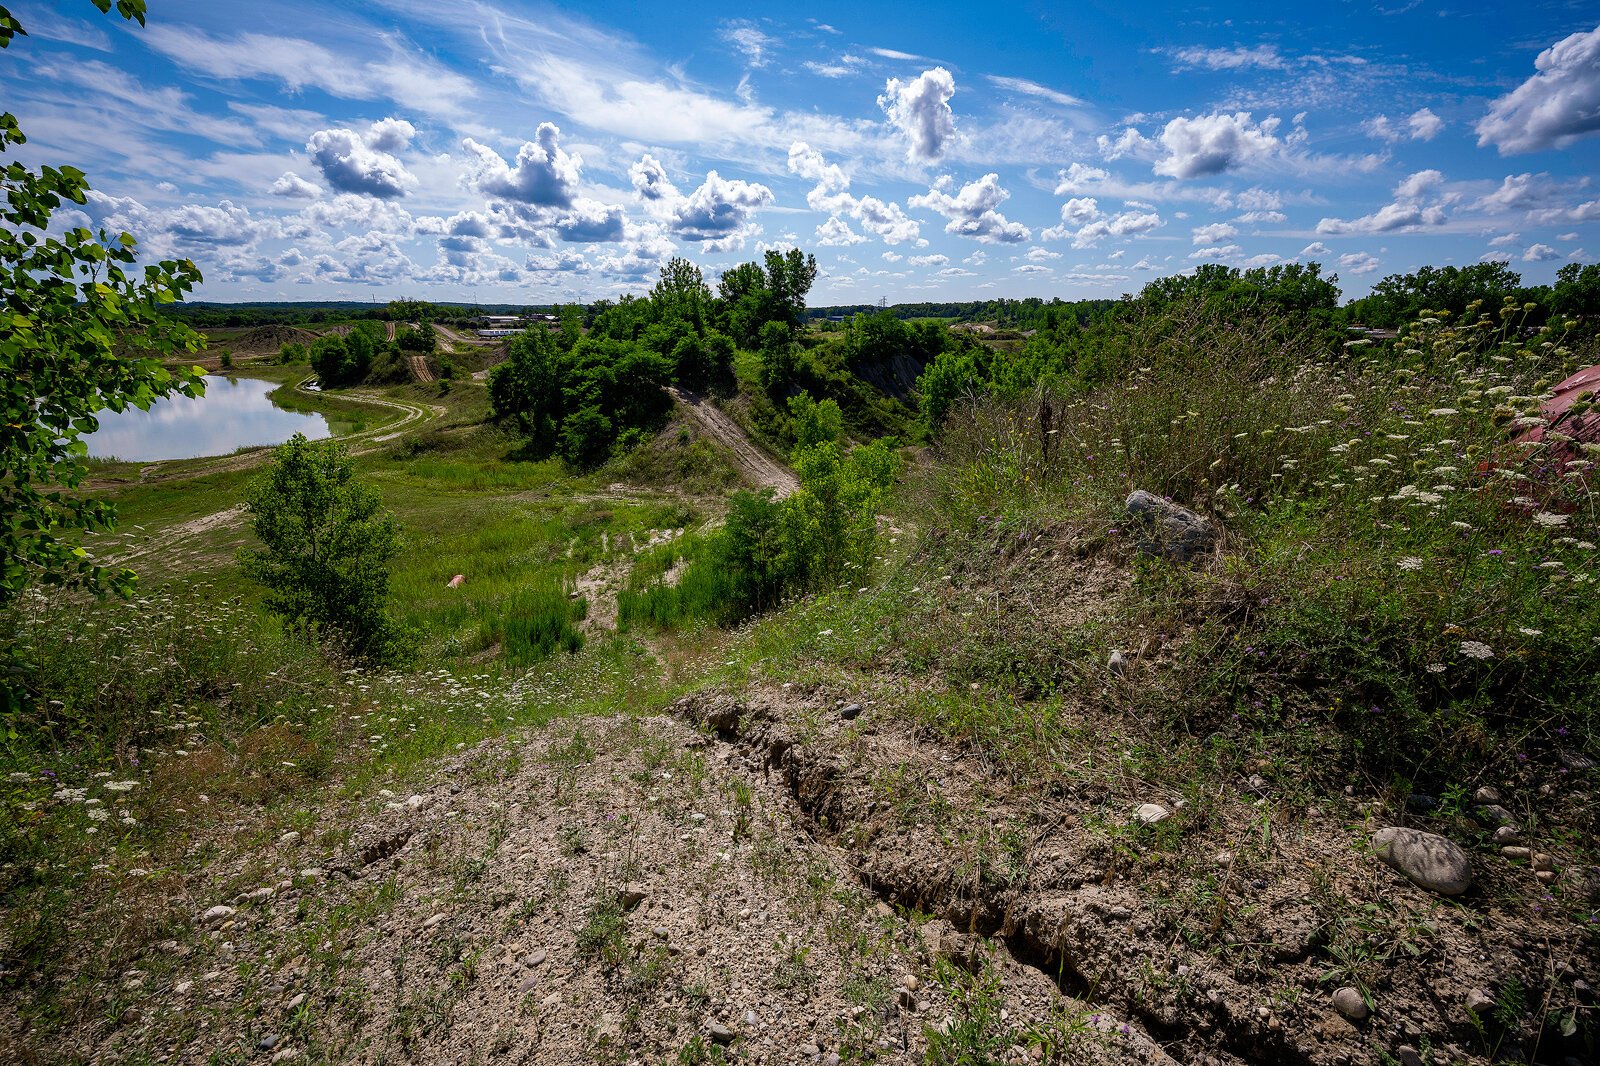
1055 933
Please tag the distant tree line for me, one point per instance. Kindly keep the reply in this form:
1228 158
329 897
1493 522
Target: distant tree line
205 315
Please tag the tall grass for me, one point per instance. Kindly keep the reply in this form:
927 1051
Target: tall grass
534 623
697 589
1391 562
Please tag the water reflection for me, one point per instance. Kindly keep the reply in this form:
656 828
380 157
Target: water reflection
234 413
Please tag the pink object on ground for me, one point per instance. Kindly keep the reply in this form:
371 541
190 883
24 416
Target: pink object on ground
1583 428
457 581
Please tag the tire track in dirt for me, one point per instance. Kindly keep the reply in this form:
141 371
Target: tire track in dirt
756 464
172 540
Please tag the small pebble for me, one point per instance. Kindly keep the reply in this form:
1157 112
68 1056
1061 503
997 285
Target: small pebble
1348 1001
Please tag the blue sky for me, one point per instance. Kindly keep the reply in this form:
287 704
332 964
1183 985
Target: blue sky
511 151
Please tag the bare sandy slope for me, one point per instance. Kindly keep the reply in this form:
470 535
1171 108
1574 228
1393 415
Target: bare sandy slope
614 890
757 466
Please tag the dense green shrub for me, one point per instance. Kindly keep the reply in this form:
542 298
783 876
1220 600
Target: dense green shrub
769 549
535 623
326 543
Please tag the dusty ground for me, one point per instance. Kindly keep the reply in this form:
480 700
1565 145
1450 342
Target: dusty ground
1223 929
759 468
618 890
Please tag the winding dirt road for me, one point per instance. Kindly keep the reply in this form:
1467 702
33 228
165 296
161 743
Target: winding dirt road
757 465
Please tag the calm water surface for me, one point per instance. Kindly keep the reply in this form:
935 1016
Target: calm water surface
234 413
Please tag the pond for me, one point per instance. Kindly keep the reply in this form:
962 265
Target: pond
234 413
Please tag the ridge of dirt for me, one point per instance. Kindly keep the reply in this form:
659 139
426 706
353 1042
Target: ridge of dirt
604 891
757 466
1075 888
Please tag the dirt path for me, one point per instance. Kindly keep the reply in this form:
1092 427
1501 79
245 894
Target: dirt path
757 465
173 542
419 368
457 337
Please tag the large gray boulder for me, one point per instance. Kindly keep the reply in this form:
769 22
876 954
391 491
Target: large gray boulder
1167 530
1427 859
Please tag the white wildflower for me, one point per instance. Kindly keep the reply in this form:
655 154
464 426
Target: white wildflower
1476 649
1550 520
1410 562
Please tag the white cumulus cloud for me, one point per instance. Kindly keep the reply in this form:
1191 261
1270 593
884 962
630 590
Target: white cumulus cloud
972 211
1554 107
831 195
920 110
1215 233
364 162
1420 125
1408 213
719 213
1358 263
294 186
836 233
543 174
1211 144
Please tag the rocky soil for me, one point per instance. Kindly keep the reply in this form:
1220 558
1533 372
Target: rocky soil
1235 926
617 890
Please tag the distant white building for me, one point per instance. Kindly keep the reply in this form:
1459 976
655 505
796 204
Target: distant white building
499 331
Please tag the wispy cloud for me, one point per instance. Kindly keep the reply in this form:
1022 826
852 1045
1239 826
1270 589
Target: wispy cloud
1033 88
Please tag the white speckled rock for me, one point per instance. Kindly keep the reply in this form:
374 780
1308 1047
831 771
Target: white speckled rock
1427 859
1151 813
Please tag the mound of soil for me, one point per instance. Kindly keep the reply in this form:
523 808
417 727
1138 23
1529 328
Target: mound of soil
267 340
612 891
1231 925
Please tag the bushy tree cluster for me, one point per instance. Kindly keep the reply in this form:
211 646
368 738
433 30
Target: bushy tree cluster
326 543
81 331
584 396
1402 298
346 360
423 339
580 401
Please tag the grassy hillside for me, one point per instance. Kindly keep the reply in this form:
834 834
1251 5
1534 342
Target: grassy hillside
1005 759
